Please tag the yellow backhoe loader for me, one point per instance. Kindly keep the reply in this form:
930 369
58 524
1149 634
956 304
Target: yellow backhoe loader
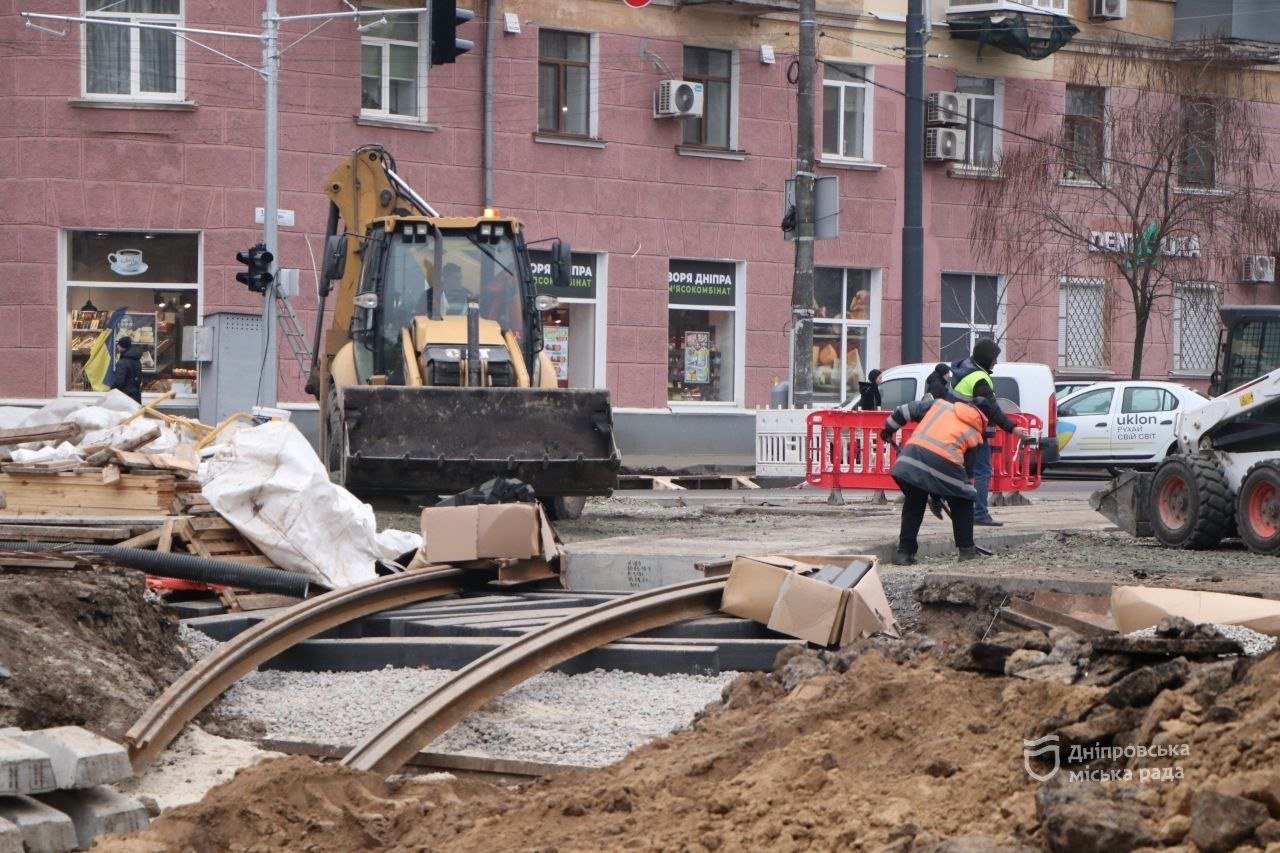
432 374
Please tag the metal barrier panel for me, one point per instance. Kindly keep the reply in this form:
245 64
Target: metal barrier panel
843 450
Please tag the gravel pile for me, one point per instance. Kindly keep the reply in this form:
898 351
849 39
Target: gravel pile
1253 642
591 719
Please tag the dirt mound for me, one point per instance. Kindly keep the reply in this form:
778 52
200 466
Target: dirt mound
83 648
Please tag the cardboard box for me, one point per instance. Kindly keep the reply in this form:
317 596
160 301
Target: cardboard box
824 599
514 531
1137 607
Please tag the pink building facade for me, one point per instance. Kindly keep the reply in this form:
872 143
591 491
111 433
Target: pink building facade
130 174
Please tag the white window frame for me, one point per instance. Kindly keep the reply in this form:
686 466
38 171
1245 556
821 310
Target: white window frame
1201 287
1064 284
871 324
995 331
868 110
423 46
739 311
135 59
65 308
997 112
600 318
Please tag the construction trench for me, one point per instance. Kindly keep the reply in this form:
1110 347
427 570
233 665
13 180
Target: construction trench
617 706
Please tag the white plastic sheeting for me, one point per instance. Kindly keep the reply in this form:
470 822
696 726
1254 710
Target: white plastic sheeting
268 482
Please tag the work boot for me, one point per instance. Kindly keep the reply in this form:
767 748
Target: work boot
970 553
902 558
988 522
935 506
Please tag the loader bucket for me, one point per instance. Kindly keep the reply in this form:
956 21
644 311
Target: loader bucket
1124 502
403 439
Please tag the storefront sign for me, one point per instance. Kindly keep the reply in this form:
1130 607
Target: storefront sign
133 257
701 283
1122 241
582 277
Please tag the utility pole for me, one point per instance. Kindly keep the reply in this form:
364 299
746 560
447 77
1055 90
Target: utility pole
270 202
913 191
802 283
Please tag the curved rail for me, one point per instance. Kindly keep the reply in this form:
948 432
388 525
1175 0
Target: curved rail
205 681
386 751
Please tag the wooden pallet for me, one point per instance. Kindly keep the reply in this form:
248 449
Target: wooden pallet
83 492
682 482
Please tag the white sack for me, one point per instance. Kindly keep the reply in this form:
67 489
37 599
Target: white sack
12 416
92 418
60 453
270 485
393 543
122 434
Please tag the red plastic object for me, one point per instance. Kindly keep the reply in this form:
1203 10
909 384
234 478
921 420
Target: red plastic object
157 582
843 450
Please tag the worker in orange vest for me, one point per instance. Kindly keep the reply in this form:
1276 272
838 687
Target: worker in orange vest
933 463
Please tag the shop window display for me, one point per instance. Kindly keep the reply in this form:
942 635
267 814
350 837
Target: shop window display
842 323
136 285
699 350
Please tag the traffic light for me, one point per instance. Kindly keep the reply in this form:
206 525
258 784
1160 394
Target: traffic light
258 277
445 19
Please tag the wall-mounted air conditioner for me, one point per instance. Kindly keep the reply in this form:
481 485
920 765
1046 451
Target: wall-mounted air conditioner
1109 10
943 143
1259 269
677 98
947 108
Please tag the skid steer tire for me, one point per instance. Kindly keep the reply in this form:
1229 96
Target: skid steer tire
1258 508
334 450
565 507
1189 504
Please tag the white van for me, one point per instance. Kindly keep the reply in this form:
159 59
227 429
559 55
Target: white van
1021 386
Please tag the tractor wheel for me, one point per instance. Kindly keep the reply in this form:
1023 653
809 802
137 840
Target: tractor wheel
565 507
1258 509
1189 504
337 439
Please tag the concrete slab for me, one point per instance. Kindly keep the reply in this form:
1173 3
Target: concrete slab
80 758
10 837
44 829
98 811
24 769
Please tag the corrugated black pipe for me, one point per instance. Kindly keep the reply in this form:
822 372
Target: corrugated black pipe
183 566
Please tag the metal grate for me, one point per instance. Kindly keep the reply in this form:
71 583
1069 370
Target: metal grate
1083 324
1197 324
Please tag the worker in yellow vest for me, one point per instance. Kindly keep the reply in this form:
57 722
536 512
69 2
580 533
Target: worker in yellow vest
933 462
971 382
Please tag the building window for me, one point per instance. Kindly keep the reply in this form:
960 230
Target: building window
970 310
1085 133
714 70
130 62
982 141
842 327
564 83
140 285
393 68
1195 328
1197 160
1082 324
702 333
846 113
573 332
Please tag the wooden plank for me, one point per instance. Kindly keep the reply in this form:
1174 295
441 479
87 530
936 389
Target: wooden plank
264 600
149 408
38 468
142 540
62 533
38 561
743 483
259 560
218 523
230 547
110 474
196 546
230 600
165 542
104 456
139 522
45 432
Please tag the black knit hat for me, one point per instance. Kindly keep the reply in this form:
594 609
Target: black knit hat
941 368
124 341
985 353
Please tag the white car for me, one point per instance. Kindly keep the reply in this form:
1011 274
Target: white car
1114 424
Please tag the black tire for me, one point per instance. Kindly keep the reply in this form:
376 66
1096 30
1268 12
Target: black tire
336 437
565 507
1190 504
1258 508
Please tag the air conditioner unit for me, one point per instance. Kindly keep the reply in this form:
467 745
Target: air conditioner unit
1259 268
942 143
677 98
1111 10
947 108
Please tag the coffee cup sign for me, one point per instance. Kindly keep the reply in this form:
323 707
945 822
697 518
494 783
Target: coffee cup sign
127 262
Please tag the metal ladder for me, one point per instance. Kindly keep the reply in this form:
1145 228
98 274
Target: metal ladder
292 329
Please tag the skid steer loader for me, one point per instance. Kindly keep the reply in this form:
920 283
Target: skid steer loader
432 374
1224 478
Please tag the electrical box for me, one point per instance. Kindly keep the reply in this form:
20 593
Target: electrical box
826 207
229 376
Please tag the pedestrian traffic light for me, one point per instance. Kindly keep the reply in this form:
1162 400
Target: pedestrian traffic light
257 277
445 19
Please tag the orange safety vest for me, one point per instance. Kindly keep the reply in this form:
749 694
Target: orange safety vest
950 429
